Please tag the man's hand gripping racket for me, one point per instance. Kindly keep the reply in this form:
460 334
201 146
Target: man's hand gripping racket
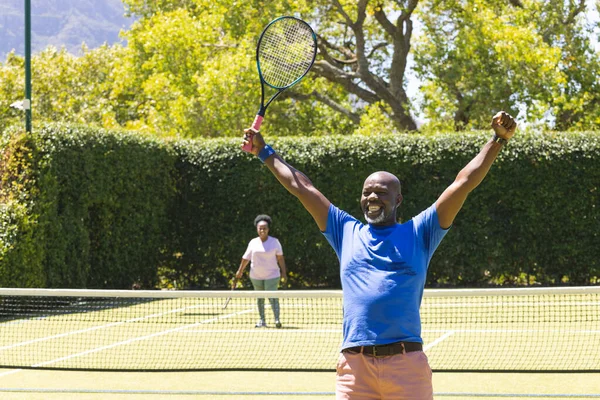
286 51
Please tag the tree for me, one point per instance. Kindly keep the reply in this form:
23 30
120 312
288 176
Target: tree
482 55
362 61
575 101
194 74
12 89
188 68
364 47
66 87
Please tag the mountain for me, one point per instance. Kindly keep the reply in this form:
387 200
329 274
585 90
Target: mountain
59 23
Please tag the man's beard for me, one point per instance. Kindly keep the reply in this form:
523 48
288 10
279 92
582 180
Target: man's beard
380 218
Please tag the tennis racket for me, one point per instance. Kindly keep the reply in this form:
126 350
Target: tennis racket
286 51
233 285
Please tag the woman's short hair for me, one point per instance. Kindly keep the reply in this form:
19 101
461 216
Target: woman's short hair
262 217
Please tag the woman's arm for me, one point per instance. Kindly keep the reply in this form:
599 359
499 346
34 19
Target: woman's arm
240 271
281 262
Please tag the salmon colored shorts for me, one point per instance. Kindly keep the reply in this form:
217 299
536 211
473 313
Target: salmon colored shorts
397 377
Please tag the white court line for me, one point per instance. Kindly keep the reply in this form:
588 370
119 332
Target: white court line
110 326
438 340
139 338
514 331
532 304
264 331
94 328
14 371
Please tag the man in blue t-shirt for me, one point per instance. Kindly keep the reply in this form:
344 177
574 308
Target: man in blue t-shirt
383 268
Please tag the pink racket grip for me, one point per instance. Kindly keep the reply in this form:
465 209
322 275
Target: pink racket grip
256 126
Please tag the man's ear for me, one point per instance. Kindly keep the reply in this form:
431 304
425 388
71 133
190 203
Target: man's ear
399 199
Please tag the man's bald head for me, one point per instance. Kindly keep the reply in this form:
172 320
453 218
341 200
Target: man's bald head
385 177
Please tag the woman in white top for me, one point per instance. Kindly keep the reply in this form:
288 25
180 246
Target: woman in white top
267 266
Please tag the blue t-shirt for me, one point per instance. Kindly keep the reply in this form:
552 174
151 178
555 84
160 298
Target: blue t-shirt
383 271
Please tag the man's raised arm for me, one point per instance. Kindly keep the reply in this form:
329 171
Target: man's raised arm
451 201
293 180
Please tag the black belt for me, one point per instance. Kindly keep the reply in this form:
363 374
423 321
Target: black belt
386 349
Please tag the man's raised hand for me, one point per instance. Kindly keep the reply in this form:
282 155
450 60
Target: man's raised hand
504 125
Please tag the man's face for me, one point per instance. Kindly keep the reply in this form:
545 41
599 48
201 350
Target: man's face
381 198
263 229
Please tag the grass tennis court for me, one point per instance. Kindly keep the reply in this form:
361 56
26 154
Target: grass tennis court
170 334
229 385
462 331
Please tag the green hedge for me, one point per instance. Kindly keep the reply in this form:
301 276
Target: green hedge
90 208
95 203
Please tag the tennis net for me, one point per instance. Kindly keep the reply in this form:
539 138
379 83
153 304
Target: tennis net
533 330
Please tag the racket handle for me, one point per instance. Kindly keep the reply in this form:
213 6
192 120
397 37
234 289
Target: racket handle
256 126
257 122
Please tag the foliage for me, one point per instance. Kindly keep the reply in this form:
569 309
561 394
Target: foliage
83 208
66 87
20 263
575 103
91 208
530 55
12 87
212 88
188 69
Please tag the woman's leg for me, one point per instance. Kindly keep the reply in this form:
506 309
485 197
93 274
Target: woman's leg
259 284
273 284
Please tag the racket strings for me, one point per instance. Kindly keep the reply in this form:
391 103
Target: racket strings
286 52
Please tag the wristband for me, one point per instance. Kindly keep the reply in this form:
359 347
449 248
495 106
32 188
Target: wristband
499 140
265 153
